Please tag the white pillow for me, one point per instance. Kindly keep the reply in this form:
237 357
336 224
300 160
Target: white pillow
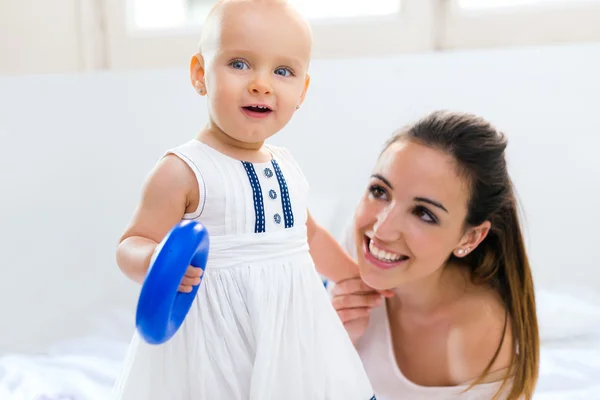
563 316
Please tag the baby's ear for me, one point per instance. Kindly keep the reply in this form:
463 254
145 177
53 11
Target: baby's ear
306 85
197 73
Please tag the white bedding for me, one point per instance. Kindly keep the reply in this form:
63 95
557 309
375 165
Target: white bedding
79 370
85 368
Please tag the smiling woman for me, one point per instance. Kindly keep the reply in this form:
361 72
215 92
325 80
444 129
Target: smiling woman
438 226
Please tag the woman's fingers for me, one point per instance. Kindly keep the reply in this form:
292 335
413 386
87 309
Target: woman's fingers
352 314
356 301
354 285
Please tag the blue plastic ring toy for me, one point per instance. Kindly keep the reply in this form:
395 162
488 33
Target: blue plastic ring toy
161 307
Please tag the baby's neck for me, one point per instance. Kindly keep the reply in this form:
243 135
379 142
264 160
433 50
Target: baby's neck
220 141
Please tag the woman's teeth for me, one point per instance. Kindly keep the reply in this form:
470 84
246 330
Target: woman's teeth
383 255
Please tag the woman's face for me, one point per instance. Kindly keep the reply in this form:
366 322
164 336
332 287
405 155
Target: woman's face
411 217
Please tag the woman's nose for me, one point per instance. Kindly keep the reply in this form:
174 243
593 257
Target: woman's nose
388 226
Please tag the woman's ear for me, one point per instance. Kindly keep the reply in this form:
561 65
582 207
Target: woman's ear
471 239
197 74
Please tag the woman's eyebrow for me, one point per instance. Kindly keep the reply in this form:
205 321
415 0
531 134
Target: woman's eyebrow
432 202
381 178
418 199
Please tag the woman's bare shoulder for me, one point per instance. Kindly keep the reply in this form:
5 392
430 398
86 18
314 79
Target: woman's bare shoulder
481 328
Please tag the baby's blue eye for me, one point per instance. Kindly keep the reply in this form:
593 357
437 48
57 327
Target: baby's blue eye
239 65
283 72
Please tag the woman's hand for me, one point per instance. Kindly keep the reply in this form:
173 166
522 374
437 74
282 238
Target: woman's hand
353 300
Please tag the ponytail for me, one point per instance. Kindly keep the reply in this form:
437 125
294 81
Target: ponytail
501 261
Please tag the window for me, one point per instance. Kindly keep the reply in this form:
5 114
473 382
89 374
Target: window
482 4
165 33
158 14
315 9
161 14
502 23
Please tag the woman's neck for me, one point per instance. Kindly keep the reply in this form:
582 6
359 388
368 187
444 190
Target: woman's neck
444 287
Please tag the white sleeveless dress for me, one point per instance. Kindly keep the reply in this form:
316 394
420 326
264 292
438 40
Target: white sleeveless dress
262 326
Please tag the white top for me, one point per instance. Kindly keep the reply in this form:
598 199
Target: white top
376 351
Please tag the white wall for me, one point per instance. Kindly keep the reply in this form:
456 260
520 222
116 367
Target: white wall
76 148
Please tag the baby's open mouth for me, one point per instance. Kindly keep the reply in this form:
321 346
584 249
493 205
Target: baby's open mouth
258 109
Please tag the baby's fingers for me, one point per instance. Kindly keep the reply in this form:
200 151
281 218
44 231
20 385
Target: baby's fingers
185 289
190 281
193 272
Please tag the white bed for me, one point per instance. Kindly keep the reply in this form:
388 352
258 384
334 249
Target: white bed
84 368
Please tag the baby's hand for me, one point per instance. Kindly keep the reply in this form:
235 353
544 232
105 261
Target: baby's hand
190 279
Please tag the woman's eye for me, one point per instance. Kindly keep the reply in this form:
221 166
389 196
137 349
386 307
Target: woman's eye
283 72
377 192
426 215
238 64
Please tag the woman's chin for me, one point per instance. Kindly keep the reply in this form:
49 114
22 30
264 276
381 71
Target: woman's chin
376 279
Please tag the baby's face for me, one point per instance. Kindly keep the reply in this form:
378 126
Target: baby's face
256 59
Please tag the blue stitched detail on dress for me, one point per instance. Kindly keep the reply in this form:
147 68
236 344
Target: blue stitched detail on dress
259 209
288 215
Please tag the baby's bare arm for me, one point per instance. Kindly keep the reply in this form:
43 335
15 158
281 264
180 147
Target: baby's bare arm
330 258
165 197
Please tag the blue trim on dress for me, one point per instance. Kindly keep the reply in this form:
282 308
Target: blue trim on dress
259 208
288 215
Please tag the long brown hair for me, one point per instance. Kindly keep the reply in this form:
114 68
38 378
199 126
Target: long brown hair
501 259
